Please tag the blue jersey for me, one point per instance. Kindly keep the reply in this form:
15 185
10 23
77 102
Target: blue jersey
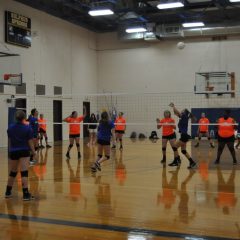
33 123
19 134
104 131
183 122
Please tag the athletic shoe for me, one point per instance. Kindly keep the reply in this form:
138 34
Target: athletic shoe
211 145
192 165
234 162
98 166
32 162
48 146
175 163
68 155
114 147
179 161
93 169
8 195
197 144
121 148
217 162
79 155
28 197
41 146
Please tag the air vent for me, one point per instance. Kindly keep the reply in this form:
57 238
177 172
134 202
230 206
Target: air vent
21 89
169 31
57 90
40 89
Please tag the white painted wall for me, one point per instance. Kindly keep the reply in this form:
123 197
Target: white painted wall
141 67
62 54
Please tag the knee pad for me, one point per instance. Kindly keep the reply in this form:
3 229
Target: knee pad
164 149
174 149
46 138
70 145
208 138
199 138
100 155
36 148
13 174
107 157
184 152
24 174
41 138
77 144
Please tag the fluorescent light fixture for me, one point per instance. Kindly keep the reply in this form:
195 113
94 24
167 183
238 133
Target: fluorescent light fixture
136 30
234 1
175 4
193 24
100 12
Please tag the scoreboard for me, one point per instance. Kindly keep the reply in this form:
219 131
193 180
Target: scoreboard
17 29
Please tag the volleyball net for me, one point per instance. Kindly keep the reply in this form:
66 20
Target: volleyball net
140 109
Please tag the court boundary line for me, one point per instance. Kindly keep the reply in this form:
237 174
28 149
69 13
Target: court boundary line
112 228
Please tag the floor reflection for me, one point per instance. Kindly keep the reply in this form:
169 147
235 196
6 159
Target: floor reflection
226 199
184 215
169 188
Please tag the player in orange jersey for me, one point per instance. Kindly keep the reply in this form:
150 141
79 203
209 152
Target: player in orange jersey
226 130
74 132
42 123
168 134
203 130
120 127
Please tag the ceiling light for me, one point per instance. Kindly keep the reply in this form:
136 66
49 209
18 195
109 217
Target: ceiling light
233 1
193 24
100 12
136 30
170 4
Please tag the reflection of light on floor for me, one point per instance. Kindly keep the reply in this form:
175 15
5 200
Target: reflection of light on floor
193 238
200 194
139 236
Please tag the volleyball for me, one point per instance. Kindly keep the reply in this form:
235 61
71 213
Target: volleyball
181 45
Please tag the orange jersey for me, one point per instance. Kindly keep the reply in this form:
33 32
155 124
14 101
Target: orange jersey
225 129
226 199
167 130
42 124
120 124
203 125
74 128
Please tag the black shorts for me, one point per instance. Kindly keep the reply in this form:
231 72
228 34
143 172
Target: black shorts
170 137
227 139
184 137
16 155
103 142
119 131
41 130
74 135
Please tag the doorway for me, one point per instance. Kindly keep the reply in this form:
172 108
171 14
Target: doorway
86 107
57 118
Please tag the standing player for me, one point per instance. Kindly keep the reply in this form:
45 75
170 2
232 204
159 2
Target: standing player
203 130
105 131
74 131
168 134
120 127
184 117
226 129
33 123
20 143
92 128
43 131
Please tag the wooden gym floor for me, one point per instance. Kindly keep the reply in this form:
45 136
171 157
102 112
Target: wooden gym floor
134 197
